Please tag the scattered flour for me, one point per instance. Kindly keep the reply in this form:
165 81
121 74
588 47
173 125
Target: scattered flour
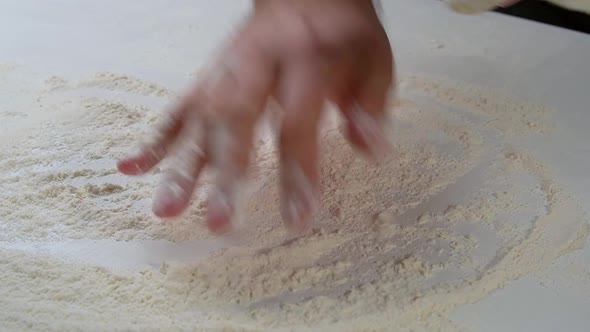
456 214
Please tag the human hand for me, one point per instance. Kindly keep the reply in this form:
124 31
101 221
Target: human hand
299 52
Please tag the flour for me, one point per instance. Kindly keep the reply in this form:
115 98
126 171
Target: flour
456 214
118 82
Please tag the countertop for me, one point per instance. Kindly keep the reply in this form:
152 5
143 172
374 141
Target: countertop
167 41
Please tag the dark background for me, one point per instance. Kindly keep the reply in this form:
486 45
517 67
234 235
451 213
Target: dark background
546 12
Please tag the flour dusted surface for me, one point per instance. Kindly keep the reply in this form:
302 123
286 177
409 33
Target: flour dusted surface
456 214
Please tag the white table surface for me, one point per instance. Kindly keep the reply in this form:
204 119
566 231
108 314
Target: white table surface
166 41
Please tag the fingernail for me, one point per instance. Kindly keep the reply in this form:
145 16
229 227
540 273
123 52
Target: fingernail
298 214
300 202
295 211
372 133
168 199
219 213
138 169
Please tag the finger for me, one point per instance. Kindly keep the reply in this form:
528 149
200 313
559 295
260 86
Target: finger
368 123
301 97
155 148
184 166
237 102
230 158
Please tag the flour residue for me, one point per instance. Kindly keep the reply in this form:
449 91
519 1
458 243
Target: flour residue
455 214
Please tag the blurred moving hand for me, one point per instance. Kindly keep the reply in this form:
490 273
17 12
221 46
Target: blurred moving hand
301 53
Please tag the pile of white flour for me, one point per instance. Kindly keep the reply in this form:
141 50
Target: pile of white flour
457 213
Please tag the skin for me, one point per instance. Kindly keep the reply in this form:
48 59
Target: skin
298 53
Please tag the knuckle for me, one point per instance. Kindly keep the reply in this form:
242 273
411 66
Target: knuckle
307 43
302 38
